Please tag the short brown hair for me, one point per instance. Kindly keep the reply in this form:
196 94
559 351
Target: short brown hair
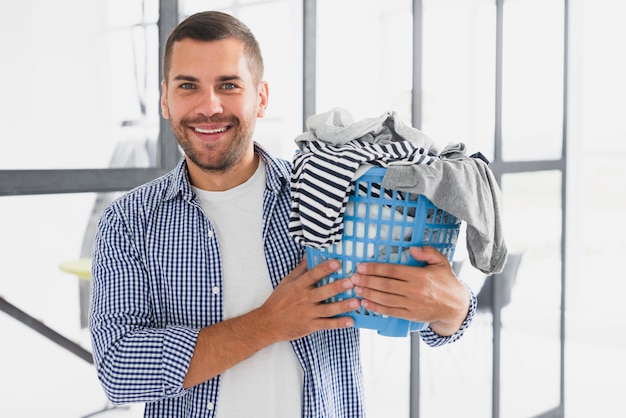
214 26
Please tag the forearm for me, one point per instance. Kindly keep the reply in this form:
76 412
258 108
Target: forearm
225 344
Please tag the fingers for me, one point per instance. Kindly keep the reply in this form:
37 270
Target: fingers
391 297
428 254
320 271
380 294
329 314
310 279
303 277
397 312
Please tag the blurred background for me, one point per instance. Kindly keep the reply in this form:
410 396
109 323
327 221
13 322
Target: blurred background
537 86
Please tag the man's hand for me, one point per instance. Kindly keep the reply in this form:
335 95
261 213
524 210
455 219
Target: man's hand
296 307
424 294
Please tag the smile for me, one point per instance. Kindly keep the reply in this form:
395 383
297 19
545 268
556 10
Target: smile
210 131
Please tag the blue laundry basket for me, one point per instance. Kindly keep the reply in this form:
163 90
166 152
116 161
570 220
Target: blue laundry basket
381 225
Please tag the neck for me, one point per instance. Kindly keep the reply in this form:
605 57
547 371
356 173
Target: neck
218 181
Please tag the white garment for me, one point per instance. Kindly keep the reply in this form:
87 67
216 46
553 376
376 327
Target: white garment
268 384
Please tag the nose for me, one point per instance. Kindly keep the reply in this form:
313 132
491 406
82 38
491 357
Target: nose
209 103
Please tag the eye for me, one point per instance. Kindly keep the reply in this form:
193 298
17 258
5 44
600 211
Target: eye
187 86
228 86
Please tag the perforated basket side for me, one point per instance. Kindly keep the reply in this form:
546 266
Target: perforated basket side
381 225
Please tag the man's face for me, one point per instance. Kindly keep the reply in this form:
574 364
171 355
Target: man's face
212 103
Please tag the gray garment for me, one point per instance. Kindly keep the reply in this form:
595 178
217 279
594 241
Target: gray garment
466 188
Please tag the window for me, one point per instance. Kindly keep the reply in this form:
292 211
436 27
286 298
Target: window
83 86
510 78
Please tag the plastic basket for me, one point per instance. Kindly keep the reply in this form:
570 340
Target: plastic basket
381 225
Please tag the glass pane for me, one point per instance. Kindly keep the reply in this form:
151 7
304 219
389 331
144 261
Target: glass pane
34 242
458 79
38 234
532 80
463 370
364 63
282 53
596 210
386 374
530 314
529 310
458 106
82 87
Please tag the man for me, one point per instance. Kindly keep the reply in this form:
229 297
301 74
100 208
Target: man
202 302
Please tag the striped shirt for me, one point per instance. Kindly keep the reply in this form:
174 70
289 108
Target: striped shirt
157 281
322 179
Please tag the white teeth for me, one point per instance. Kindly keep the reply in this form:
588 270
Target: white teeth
210 131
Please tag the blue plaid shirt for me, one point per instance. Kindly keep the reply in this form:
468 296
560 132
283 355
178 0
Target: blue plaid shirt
157 281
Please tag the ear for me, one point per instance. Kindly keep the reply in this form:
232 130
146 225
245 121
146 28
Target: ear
263 98
164 110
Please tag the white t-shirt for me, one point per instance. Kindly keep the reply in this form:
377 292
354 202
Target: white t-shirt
268 384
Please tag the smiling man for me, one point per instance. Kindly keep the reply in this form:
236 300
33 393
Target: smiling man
212 98
202 303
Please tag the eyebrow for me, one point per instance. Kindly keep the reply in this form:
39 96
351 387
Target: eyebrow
185 78
222 78
233 77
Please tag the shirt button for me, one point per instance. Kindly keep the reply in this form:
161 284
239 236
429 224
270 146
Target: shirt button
211 234
216 290
210 406
330 213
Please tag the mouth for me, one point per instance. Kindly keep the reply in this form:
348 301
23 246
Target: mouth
210 131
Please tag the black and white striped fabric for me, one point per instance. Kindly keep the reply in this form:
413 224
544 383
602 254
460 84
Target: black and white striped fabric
322 179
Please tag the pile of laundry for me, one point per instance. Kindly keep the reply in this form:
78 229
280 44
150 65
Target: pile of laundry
335 151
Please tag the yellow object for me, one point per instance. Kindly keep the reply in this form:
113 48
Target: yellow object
80 267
